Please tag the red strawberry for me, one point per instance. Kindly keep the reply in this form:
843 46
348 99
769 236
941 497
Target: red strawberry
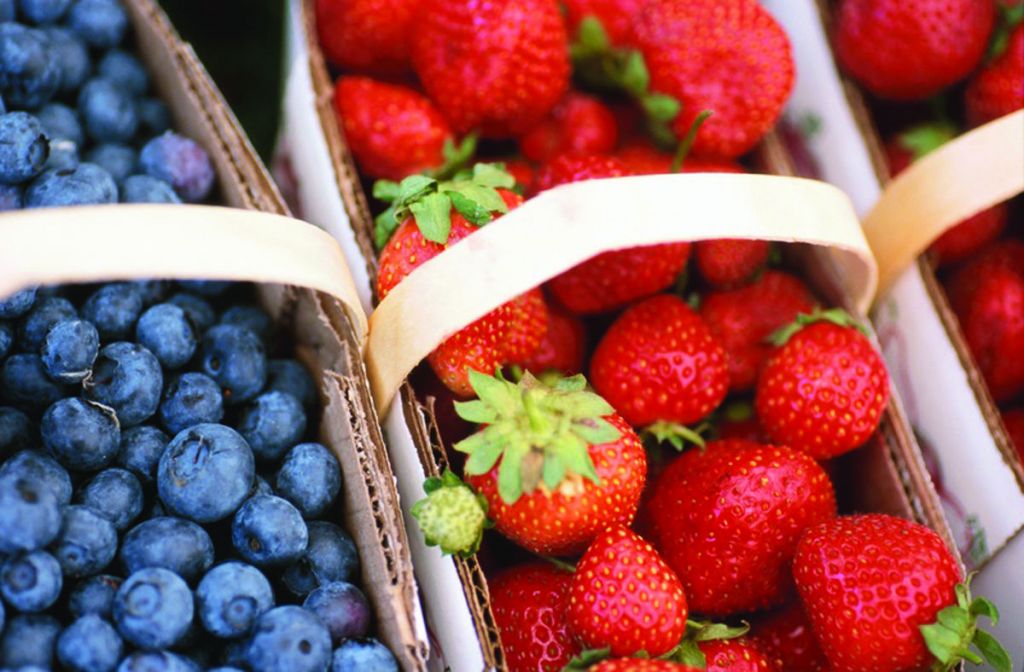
786 638
580 124
523 173
641 665
728 262
737 655
1013 420
727 519
739 422
733 59
658 363
996 89
568 168
562 347
497 67
615 16
367 36
742 319
529 604
911 49
623 596
823 392
642 159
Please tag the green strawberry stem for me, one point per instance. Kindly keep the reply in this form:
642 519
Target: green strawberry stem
675 434
956 630
456 157
451 516
738 411
925 138
687 142
587 659
688 652
1010 16
563 565
836 316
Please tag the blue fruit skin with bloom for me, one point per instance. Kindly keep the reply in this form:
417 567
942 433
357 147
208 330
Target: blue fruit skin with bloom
363 655
235 358
154 116
24 383
116 159
63 156
330 555
69 350
309 478
342 608
31 582
114 309
156 661
24 147
289 639
191 399
127 378
40 319
43 11
17 304
87 542
152 291
116 494
7 10
29 640
29 72
269 531
40 470
212 288
260 486
252 318
72 57
153 608
198 310
174 544
231 597
125 71
16 431
100 23
85 184
94 595
90 644
10 197
180 162
140 451
205 473
146 189
29 515
272 423
6 339
290 377
80 435
60 122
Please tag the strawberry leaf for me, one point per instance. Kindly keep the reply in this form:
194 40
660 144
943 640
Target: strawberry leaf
384 226
926 138
554 472
475 411
493 175
455 157
433 216
675 434
688 653
993 651
660 107
475 214
982 606
510 477
587 658
385 190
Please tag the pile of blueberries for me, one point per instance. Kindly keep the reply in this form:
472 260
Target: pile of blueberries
162 505
77 123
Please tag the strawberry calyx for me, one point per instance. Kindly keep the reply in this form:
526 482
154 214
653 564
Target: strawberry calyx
456 157
687 142
452 515
1010 16
688 652
925 138
540 433
588 658
738 411
675 434
955 631
836 316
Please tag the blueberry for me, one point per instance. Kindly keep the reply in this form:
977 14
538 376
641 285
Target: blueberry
124 70
225 668
63 155
43 11
287 375
331 555
205 473
29 71
212 288
115 494
29 514
118 160
90 644
289 639
154 116
29 640
198 310
260 486
140 451
108 110
31 582
84 184
23 382
114 309
44 314
191 399
42 471
60 122
72 57
152 291
127 378
252 318
69 350
24 147
235 358
363 655
342 608
181 162
174 544
94 595
3 617
87 542
17 304
153 608
269 531
156 661
101 23
272 423
309 478
11 197
231 597
166 331
80 435
146 189
6 338
15 431
7 10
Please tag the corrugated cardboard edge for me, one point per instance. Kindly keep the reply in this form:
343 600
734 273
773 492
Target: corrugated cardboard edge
323 331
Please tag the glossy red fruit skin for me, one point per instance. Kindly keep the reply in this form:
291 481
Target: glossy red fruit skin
522 171
868 583
497 67
367 36
727 519
615 16
565 521
392 130
529 604
1013 421
731 58
738 655
823 392
995 90
566 168
741 319
640 158
579 124
625 597
728 262
786 638
659 361
563 347
641 665
911 49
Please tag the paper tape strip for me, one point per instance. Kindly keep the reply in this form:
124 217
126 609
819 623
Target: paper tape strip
560 228
116 242
963 177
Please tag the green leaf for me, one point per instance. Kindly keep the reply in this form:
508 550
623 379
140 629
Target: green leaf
993 651
554 472
475 411
493 175
502 395
431 484
573 452
707 632
475 214
587 659
384 226
591 35
510 482
690 654
596 431
575 383
433 216
634 78
486 197
941 641
926 138
414 187
385 190
660 107
955 618
455 157
484 457
982 606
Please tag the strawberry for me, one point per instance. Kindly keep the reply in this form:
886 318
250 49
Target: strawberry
741 319
522 172
786 638
566 168
728 262
911 49
497 67
824 390
529 604
995 90
642 158
733 59
623 596
639 665
658 363
579 124
367 36
1013 421
556 465
615 16
562 347
727 519
874 585
737 655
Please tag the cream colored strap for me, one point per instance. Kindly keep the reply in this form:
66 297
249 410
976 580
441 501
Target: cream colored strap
114 242
570 224
963 177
